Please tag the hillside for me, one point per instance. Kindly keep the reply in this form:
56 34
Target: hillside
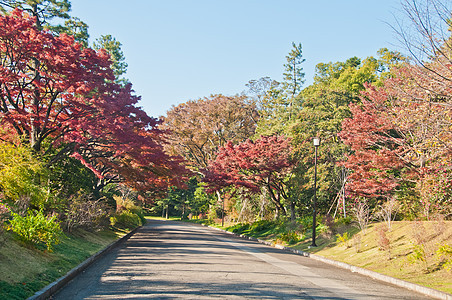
409 251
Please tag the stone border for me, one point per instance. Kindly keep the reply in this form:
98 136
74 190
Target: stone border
385 278
53 287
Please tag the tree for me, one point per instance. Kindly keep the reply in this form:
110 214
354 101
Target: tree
293 75
426 34
401 136
374 160
45 11
282 102
49 85
199 127
325 106
265 163
419 104
113 47
76 28
257 89
74 105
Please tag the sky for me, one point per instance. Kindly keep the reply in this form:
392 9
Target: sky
180 50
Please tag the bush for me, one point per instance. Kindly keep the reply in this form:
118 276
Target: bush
262 225
344 239
86 214
239 228
36 229
125 220
305 222
140 213
4 216
343 221
384 243
290 237
21 174
444 254
418 255
126 204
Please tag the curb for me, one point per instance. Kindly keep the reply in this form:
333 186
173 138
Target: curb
384 278
53 287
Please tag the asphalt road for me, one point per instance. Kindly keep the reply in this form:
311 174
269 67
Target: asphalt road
168 260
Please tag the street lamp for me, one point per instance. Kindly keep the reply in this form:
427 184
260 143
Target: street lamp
222 214
314 211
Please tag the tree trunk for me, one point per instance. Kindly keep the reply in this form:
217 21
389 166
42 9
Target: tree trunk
280 209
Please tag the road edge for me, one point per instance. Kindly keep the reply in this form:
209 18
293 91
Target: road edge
381 277
53 287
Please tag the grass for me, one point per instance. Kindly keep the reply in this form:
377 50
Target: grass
25 270
364 250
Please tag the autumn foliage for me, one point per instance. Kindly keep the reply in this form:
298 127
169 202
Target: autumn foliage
401 134
58 94
374 145
199 127
264 163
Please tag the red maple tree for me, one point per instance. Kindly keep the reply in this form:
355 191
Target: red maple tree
264 163
374 145
55 92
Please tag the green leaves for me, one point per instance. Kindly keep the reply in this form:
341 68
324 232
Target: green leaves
117 58
37 229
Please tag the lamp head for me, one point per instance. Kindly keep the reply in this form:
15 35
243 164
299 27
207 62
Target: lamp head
316 141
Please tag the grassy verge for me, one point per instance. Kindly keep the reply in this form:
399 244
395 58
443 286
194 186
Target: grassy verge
23 270
409 251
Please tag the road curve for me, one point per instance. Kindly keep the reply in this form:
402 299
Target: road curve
168 260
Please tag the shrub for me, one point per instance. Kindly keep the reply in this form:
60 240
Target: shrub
305 222
343 221
418 254
344 239
361 212
127 205
444 254
86 214
383 240
290 237
329 223
21 174
140 213
321 228
125 220
262 225
36 229
239 228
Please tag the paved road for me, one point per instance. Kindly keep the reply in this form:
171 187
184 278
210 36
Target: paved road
168 260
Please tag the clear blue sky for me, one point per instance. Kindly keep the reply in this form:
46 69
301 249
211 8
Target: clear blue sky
179 50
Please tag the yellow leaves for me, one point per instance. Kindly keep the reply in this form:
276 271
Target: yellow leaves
18 170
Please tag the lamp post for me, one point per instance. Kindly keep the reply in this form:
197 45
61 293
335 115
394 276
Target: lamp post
314 210
222 214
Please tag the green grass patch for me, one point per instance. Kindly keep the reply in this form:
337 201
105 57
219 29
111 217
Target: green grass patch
25 270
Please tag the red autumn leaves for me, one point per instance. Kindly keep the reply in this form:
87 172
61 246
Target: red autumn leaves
58 96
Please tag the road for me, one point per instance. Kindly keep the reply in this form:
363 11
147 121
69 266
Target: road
168 260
